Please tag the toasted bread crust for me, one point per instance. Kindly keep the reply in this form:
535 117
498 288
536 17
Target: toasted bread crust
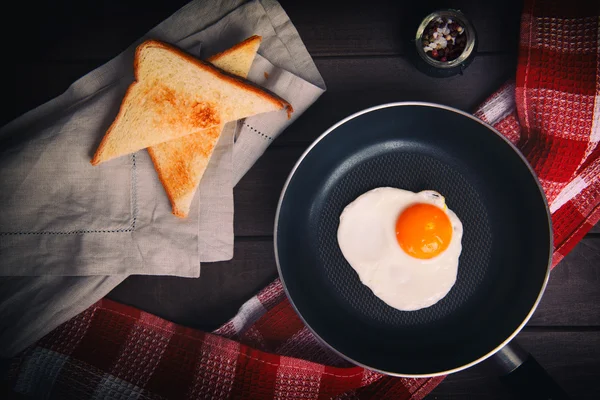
163 181
95 160
235 80
239 82
166 156
175 189
178 213
235 48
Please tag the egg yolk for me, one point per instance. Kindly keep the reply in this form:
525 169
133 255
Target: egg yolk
423 230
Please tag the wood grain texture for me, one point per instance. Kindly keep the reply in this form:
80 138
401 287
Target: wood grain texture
257 194
571 358
373 81
70 30
571 298
358 47
346 28
31 88
209 301
357 83
357 27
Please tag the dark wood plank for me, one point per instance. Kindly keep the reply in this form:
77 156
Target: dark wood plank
357 27
36 82
357 83
572 297
80 36
207 302
75 30
571 358
257 194
353 84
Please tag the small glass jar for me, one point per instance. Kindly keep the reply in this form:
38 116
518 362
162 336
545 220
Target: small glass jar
438 68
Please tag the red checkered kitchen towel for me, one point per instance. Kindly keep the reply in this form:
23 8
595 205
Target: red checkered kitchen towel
552 113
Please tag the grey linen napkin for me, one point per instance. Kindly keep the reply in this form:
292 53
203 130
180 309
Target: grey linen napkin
115 218
64 220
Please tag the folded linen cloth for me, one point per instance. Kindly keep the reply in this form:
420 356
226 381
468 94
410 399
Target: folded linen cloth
61 216
115 220
274 354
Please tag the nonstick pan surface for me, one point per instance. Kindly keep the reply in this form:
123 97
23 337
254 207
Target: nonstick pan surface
507 242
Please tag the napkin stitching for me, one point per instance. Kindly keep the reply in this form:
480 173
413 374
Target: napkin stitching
259 132
134 213
67 233
133 192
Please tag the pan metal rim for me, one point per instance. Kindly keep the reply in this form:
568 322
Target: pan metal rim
492 129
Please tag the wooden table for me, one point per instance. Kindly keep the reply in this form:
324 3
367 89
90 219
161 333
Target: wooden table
359 51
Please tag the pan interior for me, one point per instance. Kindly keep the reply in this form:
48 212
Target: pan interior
505 244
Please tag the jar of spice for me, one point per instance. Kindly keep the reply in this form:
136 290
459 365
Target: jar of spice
445 43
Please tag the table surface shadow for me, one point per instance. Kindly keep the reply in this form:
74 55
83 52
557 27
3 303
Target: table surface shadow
360 49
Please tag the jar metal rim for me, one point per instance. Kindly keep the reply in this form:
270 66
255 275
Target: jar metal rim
469 31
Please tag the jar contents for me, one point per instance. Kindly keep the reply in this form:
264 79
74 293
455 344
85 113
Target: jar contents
444 39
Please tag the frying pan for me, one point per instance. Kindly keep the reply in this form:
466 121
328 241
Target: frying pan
503 268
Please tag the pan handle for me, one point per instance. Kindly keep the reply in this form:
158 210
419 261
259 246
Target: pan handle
524 376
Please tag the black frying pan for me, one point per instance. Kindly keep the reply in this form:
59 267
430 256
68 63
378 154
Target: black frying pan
507 242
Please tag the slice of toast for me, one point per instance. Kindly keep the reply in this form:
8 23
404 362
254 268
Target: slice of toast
180 163
175 95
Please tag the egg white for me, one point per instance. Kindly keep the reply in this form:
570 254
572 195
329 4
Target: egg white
367 238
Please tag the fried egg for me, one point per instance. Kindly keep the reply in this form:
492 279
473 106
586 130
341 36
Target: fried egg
404 246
